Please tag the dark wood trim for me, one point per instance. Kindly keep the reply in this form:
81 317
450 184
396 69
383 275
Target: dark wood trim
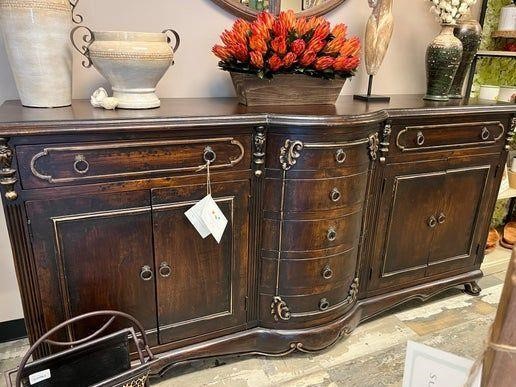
12 330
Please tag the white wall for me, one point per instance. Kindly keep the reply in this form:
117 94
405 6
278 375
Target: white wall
195 74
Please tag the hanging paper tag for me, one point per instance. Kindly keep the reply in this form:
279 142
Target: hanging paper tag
39 376
213 218
194 215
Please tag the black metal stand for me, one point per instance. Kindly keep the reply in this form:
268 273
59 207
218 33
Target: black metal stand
371 97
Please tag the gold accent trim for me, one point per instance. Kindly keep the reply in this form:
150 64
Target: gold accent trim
32 4
405 148
94 54
51 179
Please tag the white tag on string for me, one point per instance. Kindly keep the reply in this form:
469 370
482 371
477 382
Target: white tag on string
206 216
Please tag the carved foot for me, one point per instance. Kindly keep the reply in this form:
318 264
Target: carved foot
472 288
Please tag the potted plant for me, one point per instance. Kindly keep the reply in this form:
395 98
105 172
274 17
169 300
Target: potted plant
288 60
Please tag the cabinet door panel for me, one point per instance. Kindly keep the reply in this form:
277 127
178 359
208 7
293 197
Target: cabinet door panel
457 221
206 288
92 251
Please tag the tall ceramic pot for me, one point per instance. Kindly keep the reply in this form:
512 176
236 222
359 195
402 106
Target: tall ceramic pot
36 39
443 57
469 32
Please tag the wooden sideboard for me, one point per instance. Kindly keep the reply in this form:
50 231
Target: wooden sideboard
336 213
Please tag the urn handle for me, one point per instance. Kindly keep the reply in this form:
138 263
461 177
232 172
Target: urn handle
88 38
169 40
76 18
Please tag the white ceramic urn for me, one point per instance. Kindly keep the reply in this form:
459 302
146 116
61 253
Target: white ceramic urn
132 62
36 37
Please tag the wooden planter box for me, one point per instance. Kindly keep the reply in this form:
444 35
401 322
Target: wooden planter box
286 89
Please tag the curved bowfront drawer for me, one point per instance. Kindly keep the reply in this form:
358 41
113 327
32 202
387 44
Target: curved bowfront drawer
311 235
448 136
53 165
307 276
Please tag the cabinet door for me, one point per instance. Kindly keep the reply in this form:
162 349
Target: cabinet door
94 253
456 235
201 284
406 222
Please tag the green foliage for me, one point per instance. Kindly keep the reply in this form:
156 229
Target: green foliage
499 213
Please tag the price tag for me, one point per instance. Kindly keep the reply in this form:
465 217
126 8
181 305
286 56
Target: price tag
37 377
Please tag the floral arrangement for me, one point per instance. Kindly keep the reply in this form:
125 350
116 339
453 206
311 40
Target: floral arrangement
284 44
449 11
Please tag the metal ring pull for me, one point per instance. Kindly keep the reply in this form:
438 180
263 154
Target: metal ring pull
81 165
441 219
340 156
165 270
146 273
327 272
332 234
335 195
420 138
209 155
324 304
485 133
432 222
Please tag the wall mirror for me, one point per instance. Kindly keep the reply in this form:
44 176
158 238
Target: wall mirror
248 9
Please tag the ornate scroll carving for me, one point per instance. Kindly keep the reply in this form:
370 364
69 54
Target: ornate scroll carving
259 150
373 146
280 309
7 179
510 134
385 143
289 153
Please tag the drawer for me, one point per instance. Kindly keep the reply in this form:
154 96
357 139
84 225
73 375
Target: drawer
444 136
317 195
310 235
309 154
307 276
44 165
313 305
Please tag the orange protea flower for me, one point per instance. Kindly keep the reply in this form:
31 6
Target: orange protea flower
289 60
275 62
221 52
322 30
288 18
261 30
298 46
266 19
314 22
230 38
350 47
340 31
256 59
241 28
343 63
257 43
280 28
324 62
334 46
302 26
315 45
307 58
279 45
240 52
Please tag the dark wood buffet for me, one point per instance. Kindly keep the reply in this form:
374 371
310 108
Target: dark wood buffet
336 213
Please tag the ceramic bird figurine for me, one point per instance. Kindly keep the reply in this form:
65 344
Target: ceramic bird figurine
378 34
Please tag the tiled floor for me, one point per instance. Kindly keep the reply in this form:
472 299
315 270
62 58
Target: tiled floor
372 356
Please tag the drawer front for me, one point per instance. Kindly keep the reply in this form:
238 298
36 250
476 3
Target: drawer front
311 306
307 276
50 165
311 154
310 235
447 136
317 195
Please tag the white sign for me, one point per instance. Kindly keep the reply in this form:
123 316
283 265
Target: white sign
429 367
207 218
37 377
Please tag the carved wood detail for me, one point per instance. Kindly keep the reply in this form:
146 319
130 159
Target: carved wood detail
7 174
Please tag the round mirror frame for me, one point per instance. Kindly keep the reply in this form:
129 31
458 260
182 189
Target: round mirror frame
240 10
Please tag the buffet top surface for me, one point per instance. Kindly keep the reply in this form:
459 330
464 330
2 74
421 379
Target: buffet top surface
197 112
